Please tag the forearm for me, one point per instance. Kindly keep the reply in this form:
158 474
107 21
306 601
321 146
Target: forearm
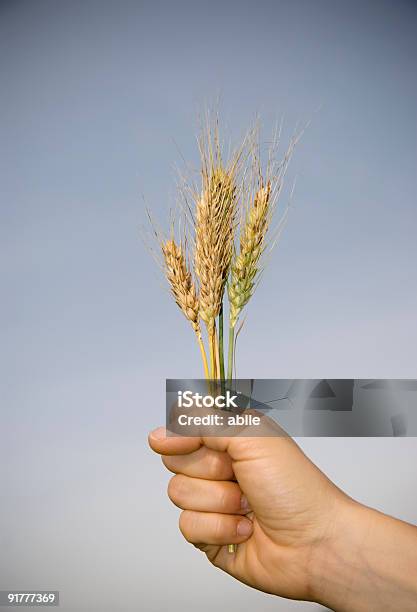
369 563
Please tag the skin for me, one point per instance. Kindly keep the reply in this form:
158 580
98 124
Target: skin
298 535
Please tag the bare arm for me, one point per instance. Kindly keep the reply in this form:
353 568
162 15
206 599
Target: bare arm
370 563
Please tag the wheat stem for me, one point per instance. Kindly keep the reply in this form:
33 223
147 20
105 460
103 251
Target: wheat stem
221 347
204 356
217 353
212 350
230 355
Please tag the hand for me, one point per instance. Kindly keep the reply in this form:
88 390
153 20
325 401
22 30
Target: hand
298 535
261 493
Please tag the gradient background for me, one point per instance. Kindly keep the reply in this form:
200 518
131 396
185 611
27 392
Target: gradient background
96 99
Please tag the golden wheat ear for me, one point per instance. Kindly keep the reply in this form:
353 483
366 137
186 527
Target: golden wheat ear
215 218
216 204
180 280
183 289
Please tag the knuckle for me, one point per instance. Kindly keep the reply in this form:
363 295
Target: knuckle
215 558
218 529
223 499
175 488
185 525
215 466
167 461
229 499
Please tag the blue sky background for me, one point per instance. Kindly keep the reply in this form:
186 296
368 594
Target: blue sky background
98 101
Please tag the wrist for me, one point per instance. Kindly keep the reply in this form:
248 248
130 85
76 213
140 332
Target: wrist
335 563
368 561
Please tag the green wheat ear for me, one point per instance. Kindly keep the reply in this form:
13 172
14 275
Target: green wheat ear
245 268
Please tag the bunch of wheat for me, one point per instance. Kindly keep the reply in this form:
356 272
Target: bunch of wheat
228 231
230 216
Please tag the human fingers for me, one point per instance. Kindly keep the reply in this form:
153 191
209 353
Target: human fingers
207 495
214 528
202 463
172 445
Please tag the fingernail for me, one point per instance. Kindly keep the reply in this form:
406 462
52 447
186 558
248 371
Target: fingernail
244 504
244 528
158 433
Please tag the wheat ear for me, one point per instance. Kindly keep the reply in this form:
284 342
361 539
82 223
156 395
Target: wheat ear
215 219
245 268
183 289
